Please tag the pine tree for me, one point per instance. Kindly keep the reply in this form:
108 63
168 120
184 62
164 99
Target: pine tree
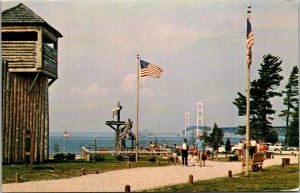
262 90
291 101
205 136
228 145
293 129
216 137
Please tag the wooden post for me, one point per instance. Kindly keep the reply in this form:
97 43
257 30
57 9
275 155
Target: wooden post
295 155
128 165
191 180
82 171
158 163
127 188
17 178
286 161
229 173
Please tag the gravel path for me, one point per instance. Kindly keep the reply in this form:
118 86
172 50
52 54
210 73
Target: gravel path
137 178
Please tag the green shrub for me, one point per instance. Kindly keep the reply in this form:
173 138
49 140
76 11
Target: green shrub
99 158
42 167
234 158
70 156
132 157
119 157
151 159
59 157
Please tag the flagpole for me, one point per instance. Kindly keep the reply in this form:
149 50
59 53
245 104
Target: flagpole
137 108
248 106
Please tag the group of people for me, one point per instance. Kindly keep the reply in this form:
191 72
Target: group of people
153 145
254 147
199 154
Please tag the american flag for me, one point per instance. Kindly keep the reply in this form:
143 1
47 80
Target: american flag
66 134
250 42
148 69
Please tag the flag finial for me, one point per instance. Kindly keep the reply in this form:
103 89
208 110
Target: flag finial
249 8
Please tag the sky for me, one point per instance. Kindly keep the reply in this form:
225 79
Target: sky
200 45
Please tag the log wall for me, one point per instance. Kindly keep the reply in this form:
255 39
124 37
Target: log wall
20 54
23 111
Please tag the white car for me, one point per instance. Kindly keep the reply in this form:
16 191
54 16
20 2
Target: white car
275 148
292 148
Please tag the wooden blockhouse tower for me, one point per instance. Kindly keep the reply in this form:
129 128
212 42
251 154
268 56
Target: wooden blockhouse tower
29 67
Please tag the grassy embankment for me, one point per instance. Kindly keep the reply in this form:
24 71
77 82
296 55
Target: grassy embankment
274 178
67 169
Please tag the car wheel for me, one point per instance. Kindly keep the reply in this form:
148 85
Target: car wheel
291 149
276 151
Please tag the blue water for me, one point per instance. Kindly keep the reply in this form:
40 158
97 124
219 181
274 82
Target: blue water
74 143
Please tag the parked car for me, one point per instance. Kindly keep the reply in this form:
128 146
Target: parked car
292 148
221 149
276 148
235 149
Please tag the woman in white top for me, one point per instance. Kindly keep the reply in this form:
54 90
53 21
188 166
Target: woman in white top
184 152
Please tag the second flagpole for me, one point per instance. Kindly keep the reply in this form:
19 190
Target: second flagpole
137 108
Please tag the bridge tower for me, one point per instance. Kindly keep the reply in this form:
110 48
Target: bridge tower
199 116
186 121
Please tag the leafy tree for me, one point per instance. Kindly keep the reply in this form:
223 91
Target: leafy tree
261 91
216 137
291 101
228 145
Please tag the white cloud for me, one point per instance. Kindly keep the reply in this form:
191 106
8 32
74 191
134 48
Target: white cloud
93 90
129 83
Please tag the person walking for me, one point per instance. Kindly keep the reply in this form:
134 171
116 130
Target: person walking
174 154
184 152
241 148
200 146
253 147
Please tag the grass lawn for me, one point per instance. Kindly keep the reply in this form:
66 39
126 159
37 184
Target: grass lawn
274 178
67 169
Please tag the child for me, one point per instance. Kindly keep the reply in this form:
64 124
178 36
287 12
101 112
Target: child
195 157
204 156
174 154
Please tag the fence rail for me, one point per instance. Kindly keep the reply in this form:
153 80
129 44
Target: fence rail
85 153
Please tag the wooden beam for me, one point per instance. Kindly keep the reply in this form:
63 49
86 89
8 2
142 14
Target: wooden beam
51 82
115 122
112 127
34 81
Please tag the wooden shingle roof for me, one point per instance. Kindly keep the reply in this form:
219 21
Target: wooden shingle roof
21 15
